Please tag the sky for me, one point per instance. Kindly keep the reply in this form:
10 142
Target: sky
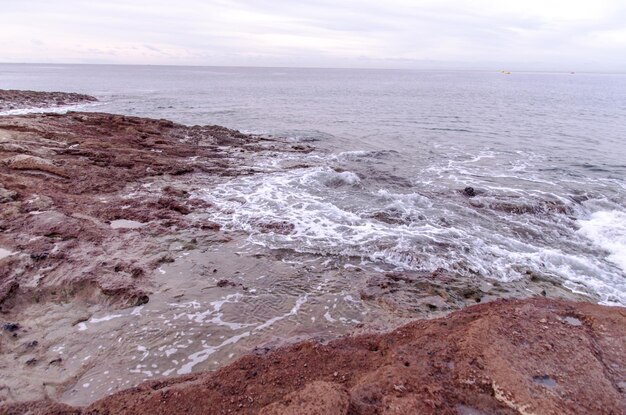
539 35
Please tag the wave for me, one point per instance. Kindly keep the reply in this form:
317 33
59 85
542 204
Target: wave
56 110
307 136
607 230
322 211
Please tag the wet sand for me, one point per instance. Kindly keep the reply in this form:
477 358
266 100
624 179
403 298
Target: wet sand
118 276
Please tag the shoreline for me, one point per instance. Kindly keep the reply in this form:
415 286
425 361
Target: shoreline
14 100
103 235
521 356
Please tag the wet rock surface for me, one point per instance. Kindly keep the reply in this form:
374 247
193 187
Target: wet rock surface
505 357
64 179
469 191
90 205
415 294
15 99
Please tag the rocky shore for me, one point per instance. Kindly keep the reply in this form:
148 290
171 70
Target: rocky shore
65 182
100 223
91 205
532 356
15 99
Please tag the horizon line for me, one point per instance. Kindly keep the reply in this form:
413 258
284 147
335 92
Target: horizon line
554 71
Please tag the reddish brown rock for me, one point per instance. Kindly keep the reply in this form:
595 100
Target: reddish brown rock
534 356
316 398
26 162
65 177
14 99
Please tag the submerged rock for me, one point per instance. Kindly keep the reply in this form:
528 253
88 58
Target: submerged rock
7 195
537 208
278 227
225 283
469 192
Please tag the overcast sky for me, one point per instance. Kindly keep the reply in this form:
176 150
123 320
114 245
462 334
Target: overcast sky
556 35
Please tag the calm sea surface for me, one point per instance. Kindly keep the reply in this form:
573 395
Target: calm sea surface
545 153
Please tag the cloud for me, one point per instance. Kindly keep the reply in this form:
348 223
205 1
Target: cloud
481 34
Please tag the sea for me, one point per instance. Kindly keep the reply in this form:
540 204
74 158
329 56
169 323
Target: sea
396 152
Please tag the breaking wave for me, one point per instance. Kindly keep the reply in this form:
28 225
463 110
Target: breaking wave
502 234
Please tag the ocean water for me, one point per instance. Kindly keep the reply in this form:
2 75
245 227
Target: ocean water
545 154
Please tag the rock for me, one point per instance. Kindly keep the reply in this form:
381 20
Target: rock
7 195
13 148
81 319
26 162
10 327
39 256
37 203
393 217
469 192
172 204
14 99
278 227
141 300
54 225
537 208
211 226
8 287
173 191
317 398
31 344
225 283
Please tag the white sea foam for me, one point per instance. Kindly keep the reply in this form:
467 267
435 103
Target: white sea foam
607 229
357 155
332 178
208 350
104 318
342 213
56 110
308 136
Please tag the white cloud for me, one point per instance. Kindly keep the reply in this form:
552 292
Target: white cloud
529 34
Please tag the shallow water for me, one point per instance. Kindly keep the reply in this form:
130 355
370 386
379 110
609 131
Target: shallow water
573 321
544 152
192 321
545 381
